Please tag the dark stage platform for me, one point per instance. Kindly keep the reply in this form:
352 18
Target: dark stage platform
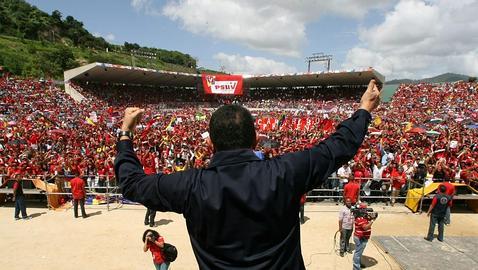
413 253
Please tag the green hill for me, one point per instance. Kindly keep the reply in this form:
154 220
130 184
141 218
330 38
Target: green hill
37 44
446 77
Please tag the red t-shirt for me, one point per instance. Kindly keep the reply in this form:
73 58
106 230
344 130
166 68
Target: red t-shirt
450 191
149 170
358 174
360 222
156 251
303 199
450 188
77 188
398 179
351 191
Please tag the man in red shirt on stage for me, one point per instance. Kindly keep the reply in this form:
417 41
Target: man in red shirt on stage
450 191
437 212
352 190
78 191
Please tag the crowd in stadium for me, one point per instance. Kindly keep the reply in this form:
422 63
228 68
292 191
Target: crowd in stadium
427 132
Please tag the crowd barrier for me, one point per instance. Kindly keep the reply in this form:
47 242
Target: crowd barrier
105 186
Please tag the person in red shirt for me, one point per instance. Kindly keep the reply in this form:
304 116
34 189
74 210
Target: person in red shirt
450 191
154 243
302 204
352 190
18 197
398 179
150 213
437 212
78 190
363 230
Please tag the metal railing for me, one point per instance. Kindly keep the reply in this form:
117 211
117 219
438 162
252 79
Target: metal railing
387 193
102 187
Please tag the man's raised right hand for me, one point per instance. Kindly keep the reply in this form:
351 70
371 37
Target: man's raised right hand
132 116
371 98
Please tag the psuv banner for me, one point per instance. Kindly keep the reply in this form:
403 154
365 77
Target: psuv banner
222 84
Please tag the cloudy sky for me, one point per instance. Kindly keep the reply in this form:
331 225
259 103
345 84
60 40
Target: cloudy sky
400 38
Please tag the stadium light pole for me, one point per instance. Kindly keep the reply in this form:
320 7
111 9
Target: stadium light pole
319 57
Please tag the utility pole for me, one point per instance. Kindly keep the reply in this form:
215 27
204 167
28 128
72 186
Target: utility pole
132 58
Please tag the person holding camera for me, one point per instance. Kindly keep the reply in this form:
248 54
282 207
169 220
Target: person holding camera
154 243
346 226
363 230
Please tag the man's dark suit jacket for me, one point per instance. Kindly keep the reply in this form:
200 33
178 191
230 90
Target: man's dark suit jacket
242 212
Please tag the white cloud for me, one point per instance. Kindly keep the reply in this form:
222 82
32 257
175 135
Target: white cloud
419 38
273 26
145 6
109 37
252 65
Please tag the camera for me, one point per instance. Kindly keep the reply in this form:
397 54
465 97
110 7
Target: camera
367 213
151 237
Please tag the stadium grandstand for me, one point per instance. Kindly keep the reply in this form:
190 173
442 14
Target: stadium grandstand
103 73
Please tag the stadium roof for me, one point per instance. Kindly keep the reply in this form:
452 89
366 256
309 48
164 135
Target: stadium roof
101 72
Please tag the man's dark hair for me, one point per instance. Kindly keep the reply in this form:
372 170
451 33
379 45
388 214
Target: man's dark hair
442 189
232 127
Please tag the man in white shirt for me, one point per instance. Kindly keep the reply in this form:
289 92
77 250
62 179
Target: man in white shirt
346 225
378 171
376 183
344 173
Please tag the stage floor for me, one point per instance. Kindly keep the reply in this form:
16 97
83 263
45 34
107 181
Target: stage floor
412 252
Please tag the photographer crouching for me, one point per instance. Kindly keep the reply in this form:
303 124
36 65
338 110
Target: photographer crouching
364 218
155 243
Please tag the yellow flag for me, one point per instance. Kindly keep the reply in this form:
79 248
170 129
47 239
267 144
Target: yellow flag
377 121
170 123
89 121
408 126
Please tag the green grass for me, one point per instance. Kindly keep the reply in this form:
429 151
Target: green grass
29 58
388 91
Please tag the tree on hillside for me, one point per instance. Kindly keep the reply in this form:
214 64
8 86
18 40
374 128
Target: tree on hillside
56 17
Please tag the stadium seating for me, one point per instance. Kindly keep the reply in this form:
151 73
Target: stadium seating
43 130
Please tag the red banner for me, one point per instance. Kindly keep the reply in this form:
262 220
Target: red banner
303 123
267 123
222 84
